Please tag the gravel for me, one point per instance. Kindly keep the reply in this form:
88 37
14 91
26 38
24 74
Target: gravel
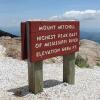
2 51
14 82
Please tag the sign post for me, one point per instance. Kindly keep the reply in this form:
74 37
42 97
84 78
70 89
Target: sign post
69 68
35 70
35 76
47 39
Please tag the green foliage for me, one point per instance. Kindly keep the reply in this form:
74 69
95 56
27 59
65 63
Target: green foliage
81 62
98 63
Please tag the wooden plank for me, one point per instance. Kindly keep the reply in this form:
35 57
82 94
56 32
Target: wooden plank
69 68
35 71
46 42
35 77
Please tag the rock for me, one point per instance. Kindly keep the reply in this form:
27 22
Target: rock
2 51
58 59
12 45
89 51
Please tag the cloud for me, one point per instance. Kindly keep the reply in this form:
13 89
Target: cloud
78 15
89 19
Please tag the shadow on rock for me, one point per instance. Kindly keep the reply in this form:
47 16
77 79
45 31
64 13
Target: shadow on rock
51 83
21 91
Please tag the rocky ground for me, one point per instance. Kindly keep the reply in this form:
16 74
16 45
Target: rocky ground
14 75
14 82
12 45
89 50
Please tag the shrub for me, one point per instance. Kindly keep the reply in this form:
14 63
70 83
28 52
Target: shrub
98 63
81 62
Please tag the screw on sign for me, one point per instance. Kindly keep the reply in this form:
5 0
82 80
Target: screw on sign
47 39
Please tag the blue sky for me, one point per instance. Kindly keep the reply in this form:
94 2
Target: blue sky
12 12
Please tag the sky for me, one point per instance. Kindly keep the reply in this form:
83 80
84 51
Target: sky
13 12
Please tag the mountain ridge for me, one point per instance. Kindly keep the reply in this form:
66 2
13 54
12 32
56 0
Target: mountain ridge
4 33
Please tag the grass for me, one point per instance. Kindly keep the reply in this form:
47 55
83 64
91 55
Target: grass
98 63
81 62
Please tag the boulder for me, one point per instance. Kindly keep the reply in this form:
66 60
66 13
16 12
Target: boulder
12 45
89 51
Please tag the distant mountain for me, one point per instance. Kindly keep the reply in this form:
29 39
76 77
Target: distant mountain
90 36
3 33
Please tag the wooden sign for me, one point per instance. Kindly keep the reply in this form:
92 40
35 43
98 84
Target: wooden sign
45 39
49 39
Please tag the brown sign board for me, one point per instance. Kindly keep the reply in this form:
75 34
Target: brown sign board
49 39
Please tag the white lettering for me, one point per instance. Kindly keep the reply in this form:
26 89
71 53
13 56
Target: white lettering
54 43
73 34
62 35
48 52
38 45
47 37
73 40
60 27
44 27
66 48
